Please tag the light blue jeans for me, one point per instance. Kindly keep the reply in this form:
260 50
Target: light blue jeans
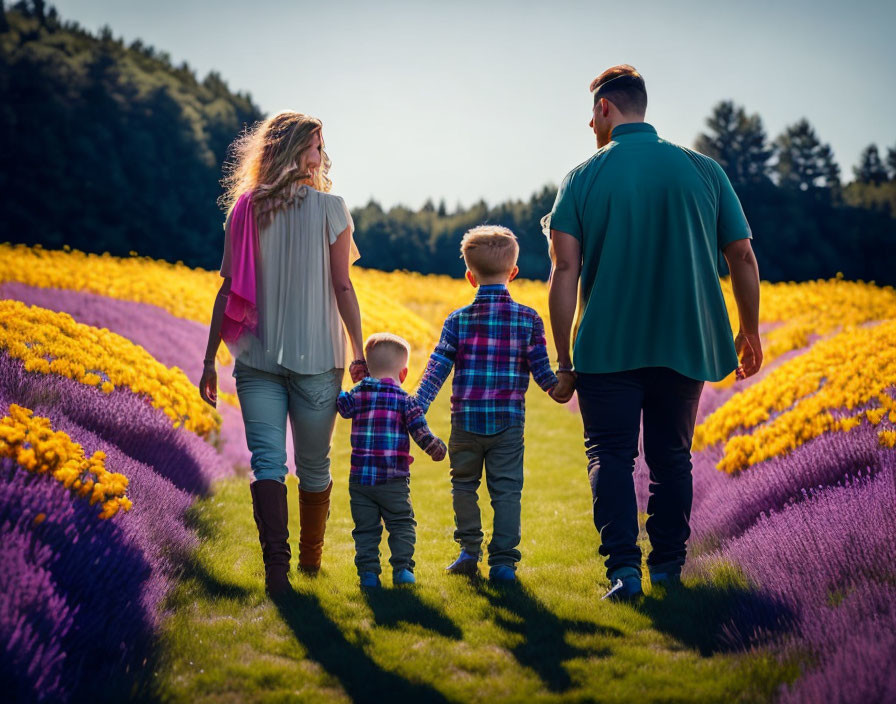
309 401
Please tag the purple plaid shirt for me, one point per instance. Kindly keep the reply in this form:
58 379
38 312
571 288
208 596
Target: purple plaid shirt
493 344
382 416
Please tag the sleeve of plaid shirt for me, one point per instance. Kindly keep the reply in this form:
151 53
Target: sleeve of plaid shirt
537 354
415 422
345 404
439 366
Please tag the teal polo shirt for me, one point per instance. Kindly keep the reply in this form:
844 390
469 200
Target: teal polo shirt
651 217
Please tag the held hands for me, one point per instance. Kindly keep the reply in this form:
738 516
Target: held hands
436 449
358 370
208 384
749 351
565 386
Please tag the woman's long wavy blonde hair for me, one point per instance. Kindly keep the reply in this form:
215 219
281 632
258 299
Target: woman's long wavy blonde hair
269 159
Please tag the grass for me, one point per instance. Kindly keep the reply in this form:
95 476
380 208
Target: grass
448 639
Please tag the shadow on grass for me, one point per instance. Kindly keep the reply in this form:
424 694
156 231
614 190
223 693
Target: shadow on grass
402 605
544 648
362 679
714 619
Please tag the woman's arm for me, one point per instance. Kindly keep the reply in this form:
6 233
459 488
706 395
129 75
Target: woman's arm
208 384
346 300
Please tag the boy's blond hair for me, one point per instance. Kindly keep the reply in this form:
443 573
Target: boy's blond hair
386 353
490 250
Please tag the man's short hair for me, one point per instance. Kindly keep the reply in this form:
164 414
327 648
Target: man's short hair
490 250
385 352
623 86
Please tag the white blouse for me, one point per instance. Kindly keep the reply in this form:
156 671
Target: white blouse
300 329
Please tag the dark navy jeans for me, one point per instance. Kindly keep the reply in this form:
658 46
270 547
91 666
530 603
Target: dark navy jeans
612 406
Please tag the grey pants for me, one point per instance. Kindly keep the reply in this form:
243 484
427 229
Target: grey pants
502 455
371 507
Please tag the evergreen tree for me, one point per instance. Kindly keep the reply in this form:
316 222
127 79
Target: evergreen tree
804 162
871 168
891 162
738 142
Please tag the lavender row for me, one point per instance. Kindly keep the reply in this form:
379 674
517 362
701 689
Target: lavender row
96 586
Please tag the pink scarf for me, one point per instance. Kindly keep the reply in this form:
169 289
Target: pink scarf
241 312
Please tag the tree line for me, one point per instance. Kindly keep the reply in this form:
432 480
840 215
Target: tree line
111 147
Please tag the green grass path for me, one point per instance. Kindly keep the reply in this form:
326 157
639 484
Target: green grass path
447 639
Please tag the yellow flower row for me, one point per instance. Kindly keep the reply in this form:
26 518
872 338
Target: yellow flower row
182 291
812 309
855 368
53 343
32 443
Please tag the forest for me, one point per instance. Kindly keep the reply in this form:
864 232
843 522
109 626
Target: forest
110 147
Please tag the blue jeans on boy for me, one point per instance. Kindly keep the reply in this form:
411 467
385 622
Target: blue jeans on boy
612 406
375 505
309 401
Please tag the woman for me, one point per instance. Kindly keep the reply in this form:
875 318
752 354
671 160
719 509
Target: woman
286 294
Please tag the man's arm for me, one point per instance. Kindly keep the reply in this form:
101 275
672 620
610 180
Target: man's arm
439 366
563 293
745 285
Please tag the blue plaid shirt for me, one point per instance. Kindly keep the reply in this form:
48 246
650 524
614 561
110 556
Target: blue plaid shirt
382 416
493 344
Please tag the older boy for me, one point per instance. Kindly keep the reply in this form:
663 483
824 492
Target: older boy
379 483
493 345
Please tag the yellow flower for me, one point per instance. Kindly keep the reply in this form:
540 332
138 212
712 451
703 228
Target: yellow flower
57 454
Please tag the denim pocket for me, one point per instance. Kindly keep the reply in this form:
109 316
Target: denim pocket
318 390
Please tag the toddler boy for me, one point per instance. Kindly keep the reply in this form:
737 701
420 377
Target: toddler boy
493 345
383 416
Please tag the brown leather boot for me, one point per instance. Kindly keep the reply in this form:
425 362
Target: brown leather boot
271 513
314 508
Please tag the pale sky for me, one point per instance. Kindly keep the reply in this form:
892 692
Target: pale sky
467 100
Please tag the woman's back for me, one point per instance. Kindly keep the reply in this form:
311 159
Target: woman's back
300 329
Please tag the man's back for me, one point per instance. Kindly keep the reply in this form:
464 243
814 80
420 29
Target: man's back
651 218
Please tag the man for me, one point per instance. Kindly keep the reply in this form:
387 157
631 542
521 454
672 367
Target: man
642 222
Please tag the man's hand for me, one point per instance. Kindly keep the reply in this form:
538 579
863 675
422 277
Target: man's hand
208 385
436 449
564 388
749 351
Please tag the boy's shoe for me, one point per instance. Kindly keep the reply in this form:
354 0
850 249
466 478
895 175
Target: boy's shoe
502 573
665 579
403 577
625 585
370 580
667 574
467 564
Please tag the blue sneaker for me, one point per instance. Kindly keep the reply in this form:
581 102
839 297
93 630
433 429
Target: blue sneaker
467 564
666 575
665 579
370 580
625 585
403 577
502 573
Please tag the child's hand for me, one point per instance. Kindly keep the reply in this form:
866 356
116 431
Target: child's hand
436 449
564 388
